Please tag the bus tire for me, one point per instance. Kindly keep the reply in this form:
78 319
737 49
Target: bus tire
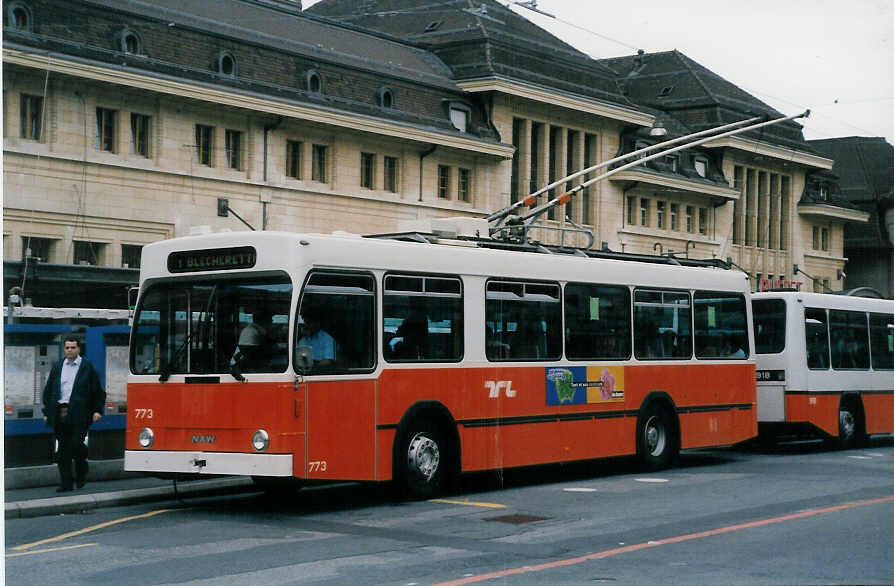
424 467
851 425
657 442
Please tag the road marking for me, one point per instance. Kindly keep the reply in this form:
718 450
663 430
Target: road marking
468 503
579 489
861 457
670 540
49 549
652 480
27 546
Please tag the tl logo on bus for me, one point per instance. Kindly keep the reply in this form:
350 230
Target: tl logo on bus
499 386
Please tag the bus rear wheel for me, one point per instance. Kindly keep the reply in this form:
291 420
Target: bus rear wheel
424 466
656 438
851 432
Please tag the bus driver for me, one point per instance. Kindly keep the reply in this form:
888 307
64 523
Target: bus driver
322 345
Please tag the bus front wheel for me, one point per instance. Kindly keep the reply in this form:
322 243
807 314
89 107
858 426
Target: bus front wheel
656 437
424 460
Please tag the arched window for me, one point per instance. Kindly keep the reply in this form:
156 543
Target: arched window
385 98
225 64
129 41
313 81
18 16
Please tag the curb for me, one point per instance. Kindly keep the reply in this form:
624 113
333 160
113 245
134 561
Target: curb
81 502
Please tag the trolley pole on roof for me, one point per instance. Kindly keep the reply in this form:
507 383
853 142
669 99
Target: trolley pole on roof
708 135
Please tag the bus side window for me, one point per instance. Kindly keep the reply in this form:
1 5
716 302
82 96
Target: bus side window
881 330
817 333
850 340
661 324
597 322
526 319
721 325
422 318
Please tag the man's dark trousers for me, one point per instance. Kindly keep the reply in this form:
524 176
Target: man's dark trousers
71 446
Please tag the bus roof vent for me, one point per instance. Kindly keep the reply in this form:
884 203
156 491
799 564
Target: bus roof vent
448 227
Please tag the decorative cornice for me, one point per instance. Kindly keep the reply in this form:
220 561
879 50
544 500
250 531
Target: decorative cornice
775 151
550 96
676 184
828 211
208 93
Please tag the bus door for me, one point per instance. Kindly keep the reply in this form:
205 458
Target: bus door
770 345
335 356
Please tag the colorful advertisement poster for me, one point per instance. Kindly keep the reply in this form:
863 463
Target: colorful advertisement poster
581 385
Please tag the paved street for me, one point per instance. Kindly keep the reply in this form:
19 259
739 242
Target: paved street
796 514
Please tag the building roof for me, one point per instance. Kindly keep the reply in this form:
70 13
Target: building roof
482 40
864 165
696 96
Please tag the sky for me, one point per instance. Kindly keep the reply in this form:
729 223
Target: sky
835 57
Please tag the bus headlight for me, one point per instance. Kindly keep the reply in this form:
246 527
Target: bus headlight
260 440
146 437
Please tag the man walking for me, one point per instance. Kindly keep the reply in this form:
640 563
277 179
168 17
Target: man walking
73 399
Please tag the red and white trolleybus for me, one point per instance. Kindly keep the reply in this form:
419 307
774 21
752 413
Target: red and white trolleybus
416 357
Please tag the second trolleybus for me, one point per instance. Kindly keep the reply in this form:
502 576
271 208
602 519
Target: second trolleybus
339 357
825 364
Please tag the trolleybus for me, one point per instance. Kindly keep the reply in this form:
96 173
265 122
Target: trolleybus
825 363
417 357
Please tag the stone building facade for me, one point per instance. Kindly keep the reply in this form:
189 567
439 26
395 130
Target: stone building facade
151 117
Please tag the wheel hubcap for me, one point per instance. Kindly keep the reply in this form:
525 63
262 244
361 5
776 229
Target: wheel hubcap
656 436
423 456
847 422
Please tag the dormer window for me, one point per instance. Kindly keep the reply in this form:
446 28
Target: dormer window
822 192
225 64
460 114
673 163
313 82
18 16
128 41
701 166
385 98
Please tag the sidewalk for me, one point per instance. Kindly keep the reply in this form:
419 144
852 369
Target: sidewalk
28 494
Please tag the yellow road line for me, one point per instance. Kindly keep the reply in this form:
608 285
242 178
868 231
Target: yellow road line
49 549
468 503
27 546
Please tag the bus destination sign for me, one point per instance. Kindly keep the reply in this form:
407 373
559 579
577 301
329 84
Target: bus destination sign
215 259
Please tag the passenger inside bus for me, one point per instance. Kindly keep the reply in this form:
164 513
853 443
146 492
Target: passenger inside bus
412 338
323 346
252 348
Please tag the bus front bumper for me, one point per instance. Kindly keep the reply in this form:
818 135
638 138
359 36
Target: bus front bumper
228 463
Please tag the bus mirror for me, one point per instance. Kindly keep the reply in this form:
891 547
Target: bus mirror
304 358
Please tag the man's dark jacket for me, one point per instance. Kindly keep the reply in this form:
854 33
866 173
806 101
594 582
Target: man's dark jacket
87 395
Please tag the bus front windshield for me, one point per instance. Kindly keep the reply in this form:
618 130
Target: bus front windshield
212 326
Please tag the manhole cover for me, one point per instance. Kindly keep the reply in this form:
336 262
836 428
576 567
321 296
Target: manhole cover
517 519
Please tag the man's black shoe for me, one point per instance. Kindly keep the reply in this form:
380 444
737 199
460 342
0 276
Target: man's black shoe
63 489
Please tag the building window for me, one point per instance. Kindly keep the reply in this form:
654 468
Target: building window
703 221
293 159
234 148
816 239
643 211
675 216
139 134
823 192
443 182
128 41
368 170
31 116
38 248
225 64
204 142
673 162
464 185
318 163
385 98
88 253
701 166
313 82
659 211
631 210
130 256
690 219
391 174
459 116
105 129
18 16
824 238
